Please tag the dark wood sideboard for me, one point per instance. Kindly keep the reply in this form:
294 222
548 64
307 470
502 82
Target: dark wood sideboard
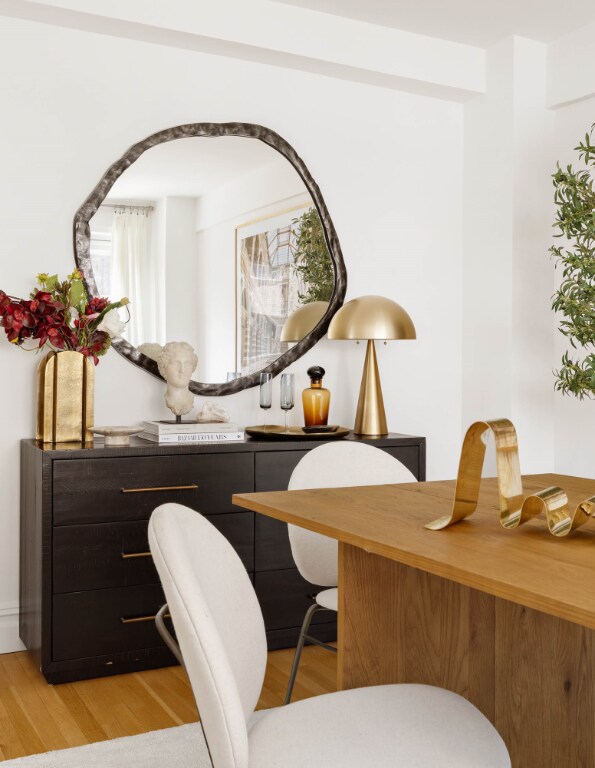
88 588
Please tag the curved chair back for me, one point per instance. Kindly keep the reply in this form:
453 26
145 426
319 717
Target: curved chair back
336 465
218 624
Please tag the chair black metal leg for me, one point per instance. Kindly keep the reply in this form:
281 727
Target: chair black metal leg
300 647
166 635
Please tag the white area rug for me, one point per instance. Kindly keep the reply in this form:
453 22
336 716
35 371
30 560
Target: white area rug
181 747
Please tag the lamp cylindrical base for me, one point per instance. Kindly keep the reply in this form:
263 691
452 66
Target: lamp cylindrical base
370 418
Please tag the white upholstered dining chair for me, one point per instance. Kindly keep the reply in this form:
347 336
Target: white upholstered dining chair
221 633
334 465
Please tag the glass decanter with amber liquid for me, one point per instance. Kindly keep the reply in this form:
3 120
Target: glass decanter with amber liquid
316 399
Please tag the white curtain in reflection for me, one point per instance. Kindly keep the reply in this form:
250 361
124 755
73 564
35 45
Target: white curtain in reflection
134 271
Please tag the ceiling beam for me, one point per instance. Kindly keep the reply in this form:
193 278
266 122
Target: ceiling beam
278 35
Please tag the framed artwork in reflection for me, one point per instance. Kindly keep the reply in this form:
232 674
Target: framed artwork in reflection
267 287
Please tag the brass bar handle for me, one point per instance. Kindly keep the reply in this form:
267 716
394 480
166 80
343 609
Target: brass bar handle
139 619
130 555
161 488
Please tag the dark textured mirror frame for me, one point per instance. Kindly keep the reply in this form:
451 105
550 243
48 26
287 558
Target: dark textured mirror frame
82 239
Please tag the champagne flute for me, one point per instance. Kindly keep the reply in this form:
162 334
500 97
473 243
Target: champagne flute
287 390
266 394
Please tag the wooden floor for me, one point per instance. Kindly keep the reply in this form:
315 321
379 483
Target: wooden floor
37 717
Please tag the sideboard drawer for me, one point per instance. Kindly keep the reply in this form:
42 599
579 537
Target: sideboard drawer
272 470
117 554
409 456
272 550
91 556
105 621
105 490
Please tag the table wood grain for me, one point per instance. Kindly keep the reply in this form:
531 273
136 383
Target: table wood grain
527 566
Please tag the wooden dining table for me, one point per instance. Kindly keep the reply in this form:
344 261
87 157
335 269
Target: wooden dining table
506 618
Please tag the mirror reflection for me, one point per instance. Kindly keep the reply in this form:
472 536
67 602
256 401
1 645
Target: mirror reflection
216 242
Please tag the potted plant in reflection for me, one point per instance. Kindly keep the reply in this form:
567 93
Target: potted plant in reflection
78 331
312 260
575 298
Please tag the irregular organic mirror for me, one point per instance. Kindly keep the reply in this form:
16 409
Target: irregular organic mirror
217 233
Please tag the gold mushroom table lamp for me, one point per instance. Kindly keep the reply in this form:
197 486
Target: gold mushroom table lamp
370 318
303 320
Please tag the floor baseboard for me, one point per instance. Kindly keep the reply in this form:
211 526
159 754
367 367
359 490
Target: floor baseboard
9 629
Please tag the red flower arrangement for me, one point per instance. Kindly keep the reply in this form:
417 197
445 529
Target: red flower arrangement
61 315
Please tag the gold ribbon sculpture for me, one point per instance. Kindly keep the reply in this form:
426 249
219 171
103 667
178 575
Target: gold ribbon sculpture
514 511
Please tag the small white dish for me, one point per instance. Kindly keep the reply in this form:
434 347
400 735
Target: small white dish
116 436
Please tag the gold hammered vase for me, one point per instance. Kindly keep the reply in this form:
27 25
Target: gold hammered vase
65 383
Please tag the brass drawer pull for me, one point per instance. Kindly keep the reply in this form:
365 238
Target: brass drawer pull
130 555
161 488
139 619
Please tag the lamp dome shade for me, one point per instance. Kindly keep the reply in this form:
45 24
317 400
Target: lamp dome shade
303 320
371 317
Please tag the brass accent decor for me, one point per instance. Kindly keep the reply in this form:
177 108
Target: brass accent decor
370 417
65 392
191 487
141 619
369 318
301 322
133 555
514 509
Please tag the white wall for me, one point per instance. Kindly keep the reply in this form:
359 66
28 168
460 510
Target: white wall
533 274
268 185
488 243
388 164
574 419
181 312
571 67
507 276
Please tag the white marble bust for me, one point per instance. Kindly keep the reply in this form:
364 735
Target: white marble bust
177 362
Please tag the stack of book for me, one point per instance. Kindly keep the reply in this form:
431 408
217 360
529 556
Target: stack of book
190 432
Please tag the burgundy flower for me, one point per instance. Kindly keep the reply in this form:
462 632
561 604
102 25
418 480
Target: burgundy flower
48 316
5 302
88 352
55 338
96 306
